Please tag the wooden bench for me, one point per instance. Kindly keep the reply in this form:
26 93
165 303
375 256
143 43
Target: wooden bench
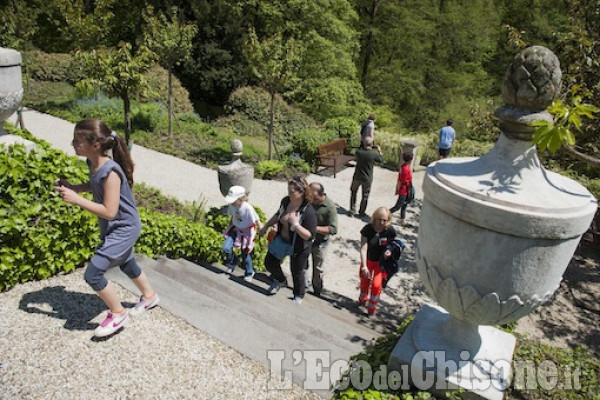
333 155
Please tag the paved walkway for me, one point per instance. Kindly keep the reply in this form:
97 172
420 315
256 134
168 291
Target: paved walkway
189 182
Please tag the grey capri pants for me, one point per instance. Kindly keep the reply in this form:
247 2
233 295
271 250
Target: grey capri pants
95 276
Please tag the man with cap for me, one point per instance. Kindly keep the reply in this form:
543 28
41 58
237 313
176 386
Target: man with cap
327 224
241 231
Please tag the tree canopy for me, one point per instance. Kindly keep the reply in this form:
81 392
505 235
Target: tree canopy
424 61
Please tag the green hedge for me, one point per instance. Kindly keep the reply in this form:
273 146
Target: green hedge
41 235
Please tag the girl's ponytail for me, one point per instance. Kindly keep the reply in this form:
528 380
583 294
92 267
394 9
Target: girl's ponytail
122 156
96 130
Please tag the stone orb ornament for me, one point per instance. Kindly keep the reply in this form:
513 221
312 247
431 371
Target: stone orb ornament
496 234
236 147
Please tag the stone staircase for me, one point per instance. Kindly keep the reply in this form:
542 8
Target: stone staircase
245 317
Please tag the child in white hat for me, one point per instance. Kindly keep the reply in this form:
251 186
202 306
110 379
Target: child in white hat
241 231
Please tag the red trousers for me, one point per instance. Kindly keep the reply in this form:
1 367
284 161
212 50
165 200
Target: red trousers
372 285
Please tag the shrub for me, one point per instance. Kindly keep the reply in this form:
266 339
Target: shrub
241 125
333 97
296 166
346 128
177 237
268 169
55 67
42 94
385 117
391 147
148 116
158 80
153 200
252 104
40 235
306 142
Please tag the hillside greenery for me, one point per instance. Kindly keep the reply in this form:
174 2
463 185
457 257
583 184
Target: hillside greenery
414 63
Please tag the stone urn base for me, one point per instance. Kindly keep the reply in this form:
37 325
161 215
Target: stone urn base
8 140
439 353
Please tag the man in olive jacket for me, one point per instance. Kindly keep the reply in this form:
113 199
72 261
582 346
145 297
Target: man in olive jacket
327 224
363 175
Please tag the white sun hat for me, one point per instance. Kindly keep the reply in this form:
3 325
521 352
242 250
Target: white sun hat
235 192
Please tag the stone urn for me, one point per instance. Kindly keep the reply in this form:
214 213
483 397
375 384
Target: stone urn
496 234
236 173
11 94
11 87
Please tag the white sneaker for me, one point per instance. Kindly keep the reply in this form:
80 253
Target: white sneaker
248 278
274 287
230 268
144 304
112 323
297 300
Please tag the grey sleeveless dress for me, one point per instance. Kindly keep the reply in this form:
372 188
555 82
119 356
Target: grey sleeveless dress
118 235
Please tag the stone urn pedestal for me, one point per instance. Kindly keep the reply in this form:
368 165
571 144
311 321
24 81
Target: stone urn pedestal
236 173
11 94
410 146
496 234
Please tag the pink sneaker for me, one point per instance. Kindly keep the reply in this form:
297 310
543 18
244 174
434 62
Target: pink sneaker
111 324
144 304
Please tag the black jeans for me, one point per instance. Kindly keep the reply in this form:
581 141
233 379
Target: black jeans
299 265
400 205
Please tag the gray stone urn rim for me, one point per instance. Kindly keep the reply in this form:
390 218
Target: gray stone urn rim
485 192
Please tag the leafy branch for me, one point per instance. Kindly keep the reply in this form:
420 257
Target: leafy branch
553 135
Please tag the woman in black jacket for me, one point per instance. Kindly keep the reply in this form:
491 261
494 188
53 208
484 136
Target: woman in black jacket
296 224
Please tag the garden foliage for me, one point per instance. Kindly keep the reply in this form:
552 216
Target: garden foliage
41 235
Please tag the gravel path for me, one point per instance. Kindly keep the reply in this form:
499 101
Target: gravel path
159 355
46 351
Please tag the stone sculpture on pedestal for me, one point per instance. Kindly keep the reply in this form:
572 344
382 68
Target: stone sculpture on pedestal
496 234
11 93
236 173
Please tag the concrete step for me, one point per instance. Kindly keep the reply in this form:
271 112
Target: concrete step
245 317
229 286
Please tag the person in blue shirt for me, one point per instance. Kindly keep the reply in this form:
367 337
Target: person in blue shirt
447 136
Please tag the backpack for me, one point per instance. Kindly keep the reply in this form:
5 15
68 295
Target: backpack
410 194
364 129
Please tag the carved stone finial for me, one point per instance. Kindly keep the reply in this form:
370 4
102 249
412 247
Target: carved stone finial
530 85
236 147
533 79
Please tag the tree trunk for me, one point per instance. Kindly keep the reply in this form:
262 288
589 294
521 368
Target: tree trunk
271 123
170 101
127 111
369 43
